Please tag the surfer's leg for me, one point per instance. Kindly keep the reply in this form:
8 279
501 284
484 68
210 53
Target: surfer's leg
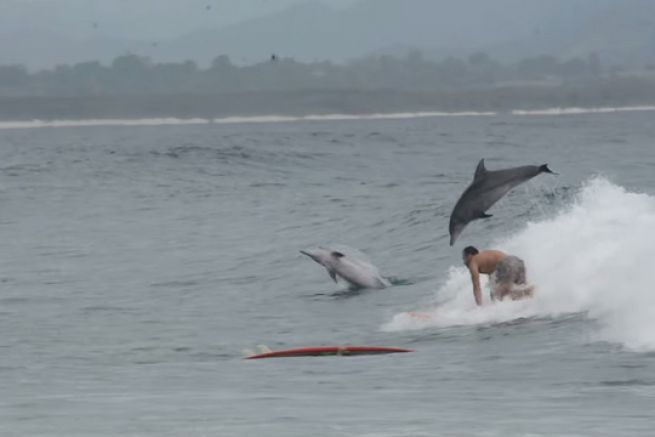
522 293
510 279
502 279
520 288
492 286
502 290
519 271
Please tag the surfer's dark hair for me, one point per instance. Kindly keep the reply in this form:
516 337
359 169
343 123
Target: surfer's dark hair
470 250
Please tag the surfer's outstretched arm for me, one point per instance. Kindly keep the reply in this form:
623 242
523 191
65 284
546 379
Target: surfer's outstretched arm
475 278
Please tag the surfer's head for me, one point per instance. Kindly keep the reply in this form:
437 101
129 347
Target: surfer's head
468 252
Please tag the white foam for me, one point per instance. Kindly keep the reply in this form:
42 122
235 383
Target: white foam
171 121
576 110
594 257
36 124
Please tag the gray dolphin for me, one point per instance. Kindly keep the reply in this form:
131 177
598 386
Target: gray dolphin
355 272
486 189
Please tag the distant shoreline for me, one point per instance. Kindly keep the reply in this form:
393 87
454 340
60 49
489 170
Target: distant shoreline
259 106
171 121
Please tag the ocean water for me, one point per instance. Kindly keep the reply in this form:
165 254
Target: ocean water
139 262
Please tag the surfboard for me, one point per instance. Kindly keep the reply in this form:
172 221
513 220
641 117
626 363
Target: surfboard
517 292
422 315
319 351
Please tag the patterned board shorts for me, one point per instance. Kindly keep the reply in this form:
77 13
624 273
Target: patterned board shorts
509 271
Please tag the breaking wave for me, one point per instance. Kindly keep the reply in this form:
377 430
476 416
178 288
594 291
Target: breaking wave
35 124
593 257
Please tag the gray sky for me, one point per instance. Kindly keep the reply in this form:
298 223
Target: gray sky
45 33
137 19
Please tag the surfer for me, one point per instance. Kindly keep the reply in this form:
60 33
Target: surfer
506 274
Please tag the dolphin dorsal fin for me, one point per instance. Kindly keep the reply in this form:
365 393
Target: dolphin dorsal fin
480 170
338 254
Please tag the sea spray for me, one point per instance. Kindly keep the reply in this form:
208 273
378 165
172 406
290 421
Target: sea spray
592 257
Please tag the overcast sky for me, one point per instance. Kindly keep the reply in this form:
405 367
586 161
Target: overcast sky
137 19
45 33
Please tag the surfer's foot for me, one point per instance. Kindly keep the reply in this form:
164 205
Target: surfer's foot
521 293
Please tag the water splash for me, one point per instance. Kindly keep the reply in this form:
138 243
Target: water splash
593 257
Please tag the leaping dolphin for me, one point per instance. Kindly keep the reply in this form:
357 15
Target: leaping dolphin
357 273
486 189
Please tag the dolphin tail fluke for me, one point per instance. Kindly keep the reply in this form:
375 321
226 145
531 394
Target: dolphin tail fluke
544 169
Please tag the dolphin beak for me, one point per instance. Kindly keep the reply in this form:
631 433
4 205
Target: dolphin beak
309 255
453 237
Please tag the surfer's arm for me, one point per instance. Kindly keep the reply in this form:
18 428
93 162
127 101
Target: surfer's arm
475 278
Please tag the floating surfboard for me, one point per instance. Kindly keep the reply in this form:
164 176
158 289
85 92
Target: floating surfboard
317 351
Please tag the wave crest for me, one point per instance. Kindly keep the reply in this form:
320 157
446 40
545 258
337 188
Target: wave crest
593 257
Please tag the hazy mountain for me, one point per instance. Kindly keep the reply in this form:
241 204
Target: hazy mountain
509 29
38 48
41 33
623 34
135 19
314 31
621 31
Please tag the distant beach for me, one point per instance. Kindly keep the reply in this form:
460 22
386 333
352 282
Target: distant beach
169 121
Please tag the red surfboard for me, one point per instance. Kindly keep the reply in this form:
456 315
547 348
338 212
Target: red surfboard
317 351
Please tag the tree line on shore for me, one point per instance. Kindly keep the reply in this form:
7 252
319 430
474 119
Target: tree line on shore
131 74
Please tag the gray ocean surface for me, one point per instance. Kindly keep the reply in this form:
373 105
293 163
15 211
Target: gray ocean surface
139 262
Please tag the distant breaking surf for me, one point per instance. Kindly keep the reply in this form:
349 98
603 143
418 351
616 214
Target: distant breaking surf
171 121
34 124
575 110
